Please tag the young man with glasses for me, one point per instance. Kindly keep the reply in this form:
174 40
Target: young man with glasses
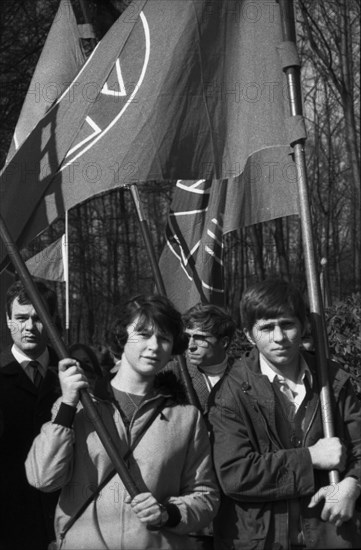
210 331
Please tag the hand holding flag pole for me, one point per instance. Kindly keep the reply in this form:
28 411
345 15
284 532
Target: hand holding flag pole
62 353
291 68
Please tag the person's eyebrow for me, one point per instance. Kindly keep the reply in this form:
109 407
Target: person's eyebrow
265 324
198 334
281 322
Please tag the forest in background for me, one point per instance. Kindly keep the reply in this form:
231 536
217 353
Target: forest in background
108 259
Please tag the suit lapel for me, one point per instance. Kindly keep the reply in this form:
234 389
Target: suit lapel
14 372
11 368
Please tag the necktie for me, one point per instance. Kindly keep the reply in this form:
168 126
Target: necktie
286 390
37 377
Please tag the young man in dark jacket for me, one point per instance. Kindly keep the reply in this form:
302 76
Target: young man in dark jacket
270 455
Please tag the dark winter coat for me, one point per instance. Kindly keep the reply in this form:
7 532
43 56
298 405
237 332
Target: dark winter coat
259 475
26 514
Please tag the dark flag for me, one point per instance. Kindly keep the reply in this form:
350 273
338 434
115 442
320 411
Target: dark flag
175 90
192 262
203 211
59 62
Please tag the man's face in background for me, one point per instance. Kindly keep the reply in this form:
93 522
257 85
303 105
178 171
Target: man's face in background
27 330
205 349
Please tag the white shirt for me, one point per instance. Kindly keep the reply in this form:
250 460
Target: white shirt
24 361
297 390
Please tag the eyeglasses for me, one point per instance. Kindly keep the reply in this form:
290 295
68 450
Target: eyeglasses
201 340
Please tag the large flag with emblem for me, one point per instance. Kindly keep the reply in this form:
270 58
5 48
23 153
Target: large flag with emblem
186 89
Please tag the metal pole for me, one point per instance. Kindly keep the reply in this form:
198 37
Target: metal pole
62 353
65 250
183 370
313 282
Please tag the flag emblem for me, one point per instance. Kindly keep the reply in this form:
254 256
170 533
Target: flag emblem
117 93
194 236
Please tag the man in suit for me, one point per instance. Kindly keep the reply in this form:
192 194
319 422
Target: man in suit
28 388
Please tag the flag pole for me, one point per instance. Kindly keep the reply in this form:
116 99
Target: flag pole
291 67
60 348
65 250
144 227
184 373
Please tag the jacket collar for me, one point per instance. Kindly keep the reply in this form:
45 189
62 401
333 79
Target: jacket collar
337 376
165 385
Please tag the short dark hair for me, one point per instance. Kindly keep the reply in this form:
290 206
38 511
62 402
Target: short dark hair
210 318
17 290
153 310
271 298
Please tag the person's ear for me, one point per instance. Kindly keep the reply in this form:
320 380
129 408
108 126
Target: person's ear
9 322
12 325
225 342
249 336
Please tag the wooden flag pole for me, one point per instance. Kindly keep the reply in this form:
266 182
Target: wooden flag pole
292 70
62 353
184 373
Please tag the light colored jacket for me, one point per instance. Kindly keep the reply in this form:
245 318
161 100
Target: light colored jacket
172 460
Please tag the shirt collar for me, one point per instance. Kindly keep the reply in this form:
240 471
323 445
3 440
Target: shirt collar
271 374
24 359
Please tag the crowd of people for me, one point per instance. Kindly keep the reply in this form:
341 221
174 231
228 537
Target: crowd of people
246 470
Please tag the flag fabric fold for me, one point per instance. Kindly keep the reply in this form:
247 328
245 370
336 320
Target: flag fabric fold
50 263
175 90
59 62
192 263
